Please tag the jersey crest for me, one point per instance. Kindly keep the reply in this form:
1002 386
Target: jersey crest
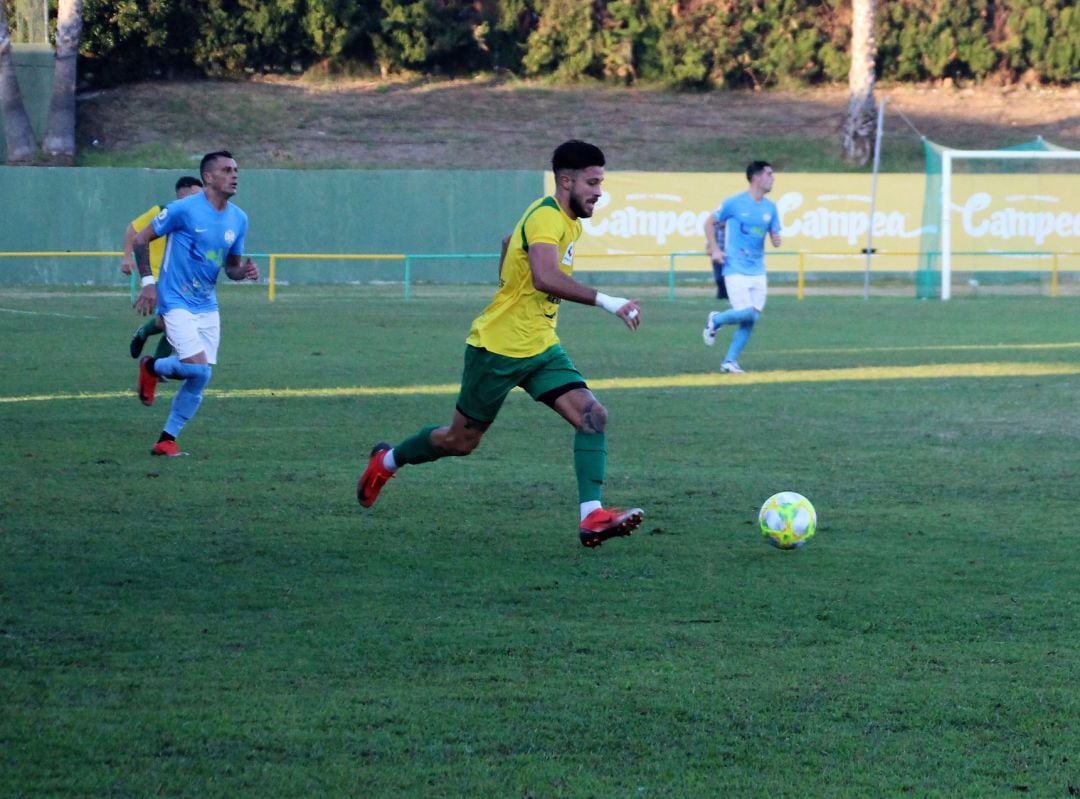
568 256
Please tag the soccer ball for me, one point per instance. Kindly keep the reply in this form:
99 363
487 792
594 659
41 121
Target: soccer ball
787 520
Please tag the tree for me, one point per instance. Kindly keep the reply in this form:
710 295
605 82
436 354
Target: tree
858 131
18 134
59 142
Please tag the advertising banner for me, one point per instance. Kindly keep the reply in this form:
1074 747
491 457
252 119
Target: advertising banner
1025 220
644 218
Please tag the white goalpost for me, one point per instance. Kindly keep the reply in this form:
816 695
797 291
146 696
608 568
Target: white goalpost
948 157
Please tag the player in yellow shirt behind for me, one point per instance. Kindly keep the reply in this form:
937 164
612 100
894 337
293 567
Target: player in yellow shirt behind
513 343
185 186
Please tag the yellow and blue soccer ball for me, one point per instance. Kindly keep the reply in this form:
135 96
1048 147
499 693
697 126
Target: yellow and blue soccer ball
787 520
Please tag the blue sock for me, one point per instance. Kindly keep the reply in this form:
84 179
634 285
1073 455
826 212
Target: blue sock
742 335
175 368
167 367
733 317
189 397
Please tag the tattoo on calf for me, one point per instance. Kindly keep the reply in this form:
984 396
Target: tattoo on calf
594 418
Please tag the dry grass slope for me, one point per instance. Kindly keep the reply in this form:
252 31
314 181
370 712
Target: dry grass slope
485 124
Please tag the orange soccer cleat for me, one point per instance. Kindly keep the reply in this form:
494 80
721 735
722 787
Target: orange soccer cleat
374 477
602 524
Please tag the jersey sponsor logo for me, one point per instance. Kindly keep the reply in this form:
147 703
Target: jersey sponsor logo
568 256
164 213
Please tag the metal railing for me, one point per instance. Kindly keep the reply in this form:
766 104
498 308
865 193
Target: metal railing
671 261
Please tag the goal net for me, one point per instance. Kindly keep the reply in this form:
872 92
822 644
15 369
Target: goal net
995 218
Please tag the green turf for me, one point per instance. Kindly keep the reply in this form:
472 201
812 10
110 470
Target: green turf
233 624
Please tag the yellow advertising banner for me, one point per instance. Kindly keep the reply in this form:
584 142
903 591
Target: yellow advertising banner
653 220
1025 220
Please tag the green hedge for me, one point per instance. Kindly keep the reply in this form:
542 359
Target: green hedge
677 43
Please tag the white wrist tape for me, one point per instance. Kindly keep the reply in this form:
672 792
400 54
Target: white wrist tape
610 304
148 280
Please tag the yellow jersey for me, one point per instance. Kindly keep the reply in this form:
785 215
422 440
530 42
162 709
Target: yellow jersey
520 321
157 246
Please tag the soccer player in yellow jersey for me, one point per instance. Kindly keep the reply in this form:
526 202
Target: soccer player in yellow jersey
513 343
185 186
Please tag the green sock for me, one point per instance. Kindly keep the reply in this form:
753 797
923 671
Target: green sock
149 328
590 465
417 448
164 348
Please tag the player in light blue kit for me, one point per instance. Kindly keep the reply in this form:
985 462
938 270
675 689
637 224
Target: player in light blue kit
206 234
742 221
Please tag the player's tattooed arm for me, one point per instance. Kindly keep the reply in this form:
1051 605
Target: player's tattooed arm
141 250
146 302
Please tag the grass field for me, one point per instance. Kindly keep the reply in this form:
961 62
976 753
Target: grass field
233 624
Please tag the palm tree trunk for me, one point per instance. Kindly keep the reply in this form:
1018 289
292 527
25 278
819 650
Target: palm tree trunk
858 135
59 142
18 135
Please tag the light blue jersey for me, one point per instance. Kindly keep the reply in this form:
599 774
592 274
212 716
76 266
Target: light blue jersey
746 223
200 240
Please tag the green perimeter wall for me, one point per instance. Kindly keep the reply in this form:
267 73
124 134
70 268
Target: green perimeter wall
289 211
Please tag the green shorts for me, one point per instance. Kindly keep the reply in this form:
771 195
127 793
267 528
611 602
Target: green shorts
488 378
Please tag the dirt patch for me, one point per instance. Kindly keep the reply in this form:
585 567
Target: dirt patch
484 124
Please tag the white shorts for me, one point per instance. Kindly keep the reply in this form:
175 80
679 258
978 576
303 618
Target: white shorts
747 291
192 333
